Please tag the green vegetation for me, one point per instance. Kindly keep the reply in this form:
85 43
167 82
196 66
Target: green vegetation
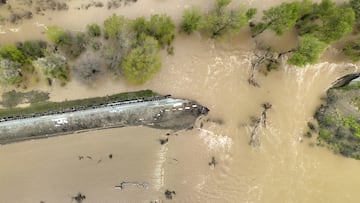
55 34
191 20
43 107
12 53
143 62
281 18
339 127
114 25
352 50
162 28
12 98
93 30
317 25
308 52
33 49
222 20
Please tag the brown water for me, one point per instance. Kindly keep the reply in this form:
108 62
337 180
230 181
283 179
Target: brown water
285 168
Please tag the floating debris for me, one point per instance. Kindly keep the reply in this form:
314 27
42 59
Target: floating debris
169 194
122 185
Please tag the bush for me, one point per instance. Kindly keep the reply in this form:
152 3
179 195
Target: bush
143 62
12 53
221 20
191 20
93 30
33 48
114 25
162 28
55 34
352 50
308 52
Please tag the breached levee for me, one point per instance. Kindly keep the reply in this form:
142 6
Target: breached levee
163 112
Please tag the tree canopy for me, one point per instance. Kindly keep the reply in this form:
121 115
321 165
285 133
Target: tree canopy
191 20
114 25
308 51
281 18
352 50
222 20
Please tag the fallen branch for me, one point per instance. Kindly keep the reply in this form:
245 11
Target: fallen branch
255 135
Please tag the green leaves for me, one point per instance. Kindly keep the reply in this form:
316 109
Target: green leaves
221 21
54 34
352 50
308 52
282 17
114 25
143 62
191 20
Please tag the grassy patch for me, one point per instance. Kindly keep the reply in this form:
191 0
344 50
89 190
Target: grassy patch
60 106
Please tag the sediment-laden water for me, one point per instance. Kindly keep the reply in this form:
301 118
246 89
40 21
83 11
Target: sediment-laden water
285 168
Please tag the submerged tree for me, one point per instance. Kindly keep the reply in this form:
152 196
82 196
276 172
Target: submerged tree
281 18
191 20
327 21
142 62
222 20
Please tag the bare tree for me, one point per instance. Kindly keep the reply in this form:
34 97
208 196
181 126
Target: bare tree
88 70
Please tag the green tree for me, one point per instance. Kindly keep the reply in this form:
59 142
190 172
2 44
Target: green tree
162 28
142 62
10 72
114 25
54 66
352 50
327 21
93 30
55 34
308 52
222 20
281 18
191 20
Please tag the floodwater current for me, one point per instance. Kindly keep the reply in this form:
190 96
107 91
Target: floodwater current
285 168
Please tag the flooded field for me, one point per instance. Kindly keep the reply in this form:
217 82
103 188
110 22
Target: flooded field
285 168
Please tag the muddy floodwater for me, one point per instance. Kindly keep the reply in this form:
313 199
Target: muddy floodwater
285 168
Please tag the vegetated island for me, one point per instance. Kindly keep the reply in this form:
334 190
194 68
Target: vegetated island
125 109
339 120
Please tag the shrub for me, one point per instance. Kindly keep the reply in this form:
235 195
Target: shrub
33 48
162 28
114 25
12 53
191 20
93 30
55 34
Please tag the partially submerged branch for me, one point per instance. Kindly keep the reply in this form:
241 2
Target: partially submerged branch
259 123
